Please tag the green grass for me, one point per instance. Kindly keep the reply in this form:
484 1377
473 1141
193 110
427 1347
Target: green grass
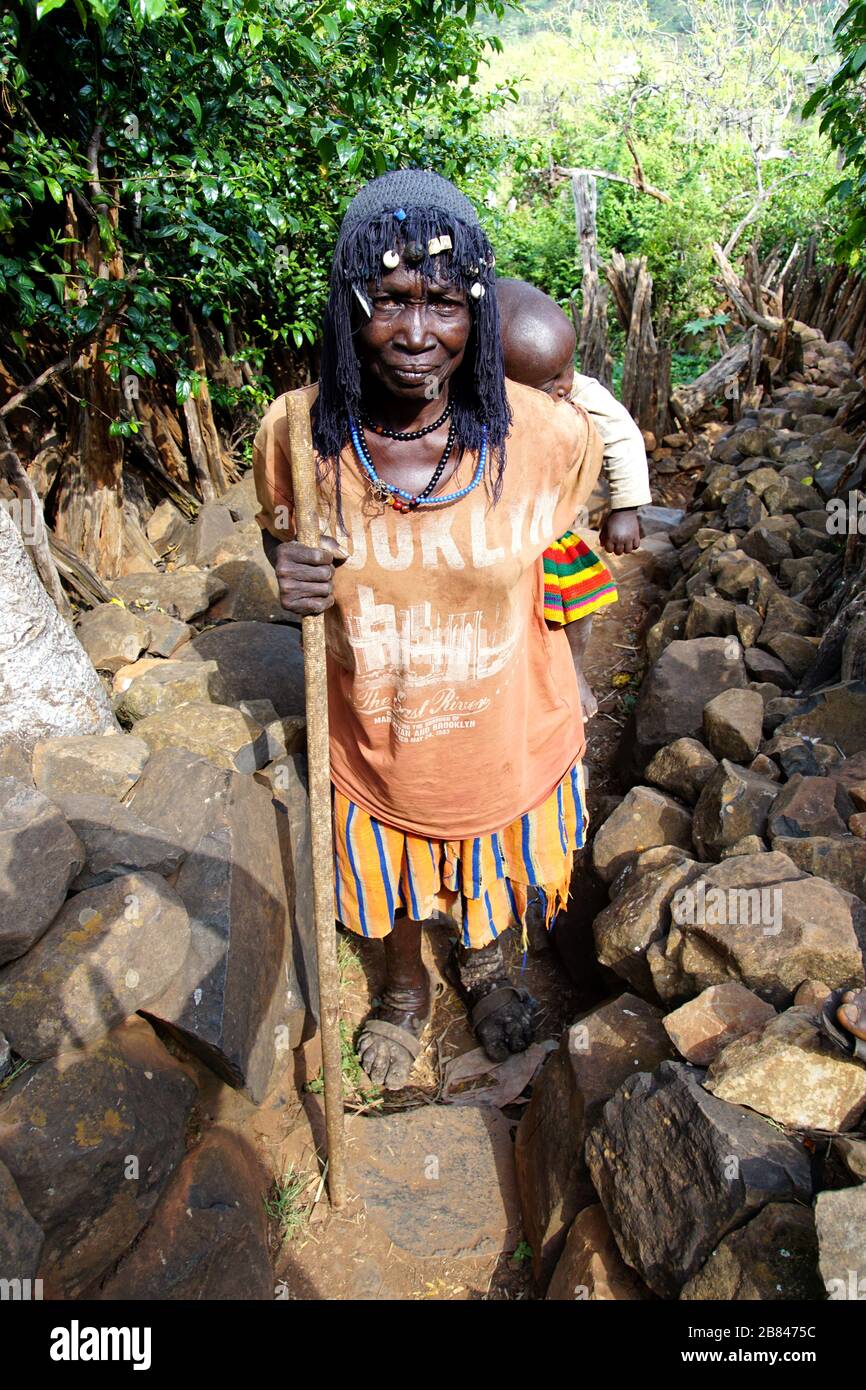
355 1085
18 1068
285 1205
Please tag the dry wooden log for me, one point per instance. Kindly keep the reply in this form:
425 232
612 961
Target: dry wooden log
749 312
560 171
77 574
686 401
34 533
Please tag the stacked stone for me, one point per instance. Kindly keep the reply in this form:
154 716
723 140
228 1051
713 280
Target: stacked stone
155 890
698 1136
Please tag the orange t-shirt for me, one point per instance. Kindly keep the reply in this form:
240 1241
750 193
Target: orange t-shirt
453 707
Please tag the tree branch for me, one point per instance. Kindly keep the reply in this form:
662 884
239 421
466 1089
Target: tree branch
106 319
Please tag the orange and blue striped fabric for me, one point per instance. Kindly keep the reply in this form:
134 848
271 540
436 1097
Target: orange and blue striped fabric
576 581
483 883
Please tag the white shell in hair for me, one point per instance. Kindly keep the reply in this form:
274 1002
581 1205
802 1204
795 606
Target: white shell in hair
434 246
476 290
445 243
390 260
365 304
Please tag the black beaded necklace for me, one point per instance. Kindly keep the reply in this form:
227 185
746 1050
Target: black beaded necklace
387 492
405 437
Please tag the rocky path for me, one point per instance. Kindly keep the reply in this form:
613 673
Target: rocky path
681 1128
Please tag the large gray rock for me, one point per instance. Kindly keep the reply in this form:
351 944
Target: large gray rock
676 1170
669 628
773 1258
208 1238
673 694
840 1219
682 768
108 952
758 919
257 661
733 804
21 1238
39 857
91 1139
439 1181
796 653
639 916
733 724
166 634
112 636
179 794
591 1268
836 714
212 525
106 763
643 819
116 841
183 594
252 594
702 1027
236 1000
810 806
841 862
785 615
168 685
599 1051
225 736
791 1072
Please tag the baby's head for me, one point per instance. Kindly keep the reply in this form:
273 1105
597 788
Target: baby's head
538 339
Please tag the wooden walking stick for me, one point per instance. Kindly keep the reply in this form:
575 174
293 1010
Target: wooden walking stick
319 780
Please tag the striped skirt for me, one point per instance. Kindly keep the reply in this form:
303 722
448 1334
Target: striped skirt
483 884
576 581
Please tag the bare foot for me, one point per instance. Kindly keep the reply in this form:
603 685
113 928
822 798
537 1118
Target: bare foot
851 1014
386 1059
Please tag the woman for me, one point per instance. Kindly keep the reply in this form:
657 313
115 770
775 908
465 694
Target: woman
456 730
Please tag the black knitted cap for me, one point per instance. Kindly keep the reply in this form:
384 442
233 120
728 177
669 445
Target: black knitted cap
408 188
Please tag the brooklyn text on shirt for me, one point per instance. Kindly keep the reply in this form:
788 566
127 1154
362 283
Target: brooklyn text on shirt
492 533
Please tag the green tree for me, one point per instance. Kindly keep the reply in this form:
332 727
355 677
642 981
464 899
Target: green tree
842 101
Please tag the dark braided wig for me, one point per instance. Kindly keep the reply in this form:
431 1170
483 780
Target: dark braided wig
433 207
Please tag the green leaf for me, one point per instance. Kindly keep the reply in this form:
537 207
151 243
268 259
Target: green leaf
46 6
54 189
191 101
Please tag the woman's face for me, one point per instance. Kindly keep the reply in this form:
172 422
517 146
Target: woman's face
417 335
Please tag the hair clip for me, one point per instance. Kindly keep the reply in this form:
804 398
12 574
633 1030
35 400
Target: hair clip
400 214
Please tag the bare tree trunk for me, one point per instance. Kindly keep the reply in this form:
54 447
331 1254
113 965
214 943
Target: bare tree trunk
90 497
48 686
595 359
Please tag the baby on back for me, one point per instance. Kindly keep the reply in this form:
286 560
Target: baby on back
539 341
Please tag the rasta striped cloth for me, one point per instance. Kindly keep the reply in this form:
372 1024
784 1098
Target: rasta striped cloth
576 581
483 883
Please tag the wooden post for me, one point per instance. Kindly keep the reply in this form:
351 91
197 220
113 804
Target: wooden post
319 779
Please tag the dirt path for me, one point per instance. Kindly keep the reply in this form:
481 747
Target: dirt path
345 1256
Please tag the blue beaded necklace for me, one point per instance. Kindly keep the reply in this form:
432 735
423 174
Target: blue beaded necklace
397 497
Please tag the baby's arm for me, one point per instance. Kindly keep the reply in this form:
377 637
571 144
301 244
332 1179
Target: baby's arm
625 465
